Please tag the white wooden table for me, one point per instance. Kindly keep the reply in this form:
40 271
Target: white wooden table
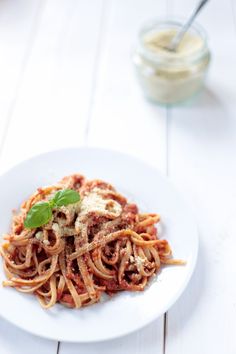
66 79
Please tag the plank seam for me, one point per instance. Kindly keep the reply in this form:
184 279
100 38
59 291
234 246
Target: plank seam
233 14
165 327
58 347
167 114
168 7
165 318
95 68
33 33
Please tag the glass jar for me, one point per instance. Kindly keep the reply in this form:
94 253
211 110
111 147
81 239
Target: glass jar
171 77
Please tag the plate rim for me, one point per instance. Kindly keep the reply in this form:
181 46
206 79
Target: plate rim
187 278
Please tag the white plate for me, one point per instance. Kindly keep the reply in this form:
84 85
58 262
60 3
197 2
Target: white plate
125 312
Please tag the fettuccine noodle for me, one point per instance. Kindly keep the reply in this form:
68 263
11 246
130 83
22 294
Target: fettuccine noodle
101 244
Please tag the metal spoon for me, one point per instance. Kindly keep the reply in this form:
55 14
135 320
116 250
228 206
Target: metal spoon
179 35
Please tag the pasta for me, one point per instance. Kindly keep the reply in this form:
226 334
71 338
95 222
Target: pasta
101 244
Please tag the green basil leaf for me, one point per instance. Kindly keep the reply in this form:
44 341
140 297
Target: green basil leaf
38 215
66 197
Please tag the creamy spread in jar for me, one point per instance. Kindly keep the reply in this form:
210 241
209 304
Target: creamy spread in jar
169 77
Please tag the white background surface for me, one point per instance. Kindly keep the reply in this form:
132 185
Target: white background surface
66 79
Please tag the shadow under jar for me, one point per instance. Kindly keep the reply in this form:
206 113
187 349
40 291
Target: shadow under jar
171 77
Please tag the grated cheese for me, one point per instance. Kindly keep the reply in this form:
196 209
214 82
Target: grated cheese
39 235
139 262
94 202
56 228
71 208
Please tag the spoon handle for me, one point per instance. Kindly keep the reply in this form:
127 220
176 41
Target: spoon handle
175 41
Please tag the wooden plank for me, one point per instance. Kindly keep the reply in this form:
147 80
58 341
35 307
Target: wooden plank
122 119
145 341
53 102
201 154
18 23
14 340
46 77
